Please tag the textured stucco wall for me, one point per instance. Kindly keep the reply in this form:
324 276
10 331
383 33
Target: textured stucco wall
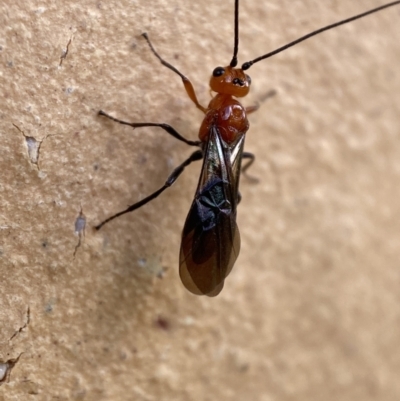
311 310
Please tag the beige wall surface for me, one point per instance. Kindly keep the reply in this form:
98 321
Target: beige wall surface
311 310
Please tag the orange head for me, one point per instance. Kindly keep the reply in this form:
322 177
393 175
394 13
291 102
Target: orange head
230 81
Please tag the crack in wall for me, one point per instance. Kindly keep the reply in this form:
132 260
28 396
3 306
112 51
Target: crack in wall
33 147
28 320
65 52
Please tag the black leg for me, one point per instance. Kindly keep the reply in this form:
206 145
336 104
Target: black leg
165 127
255 107
252 109
251 157
248 155
198 155
268 95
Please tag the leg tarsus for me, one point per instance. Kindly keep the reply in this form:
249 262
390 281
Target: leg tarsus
268 95
170 130
198 155
256 106
251 157
252 109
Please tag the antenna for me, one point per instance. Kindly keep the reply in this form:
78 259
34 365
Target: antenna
248 64
236 43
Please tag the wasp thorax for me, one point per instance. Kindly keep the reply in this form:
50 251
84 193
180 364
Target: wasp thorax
230 81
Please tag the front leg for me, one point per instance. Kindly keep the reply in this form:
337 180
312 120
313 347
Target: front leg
186 82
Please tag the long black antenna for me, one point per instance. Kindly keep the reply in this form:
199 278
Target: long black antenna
236 44
248 64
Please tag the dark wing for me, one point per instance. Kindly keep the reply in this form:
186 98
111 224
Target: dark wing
210 238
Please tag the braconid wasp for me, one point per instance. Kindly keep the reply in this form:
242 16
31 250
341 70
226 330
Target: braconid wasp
210 238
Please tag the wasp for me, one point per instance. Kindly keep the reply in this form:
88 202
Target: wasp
210 238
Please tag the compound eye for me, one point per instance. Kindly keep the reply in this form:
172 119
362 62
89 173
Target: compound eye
219 71
248 79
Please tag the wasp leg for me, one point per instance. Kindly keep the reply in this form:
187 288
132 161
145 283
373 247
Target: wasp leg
165 127
256 106
186 82
252 158
268 95
252 109
198 155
